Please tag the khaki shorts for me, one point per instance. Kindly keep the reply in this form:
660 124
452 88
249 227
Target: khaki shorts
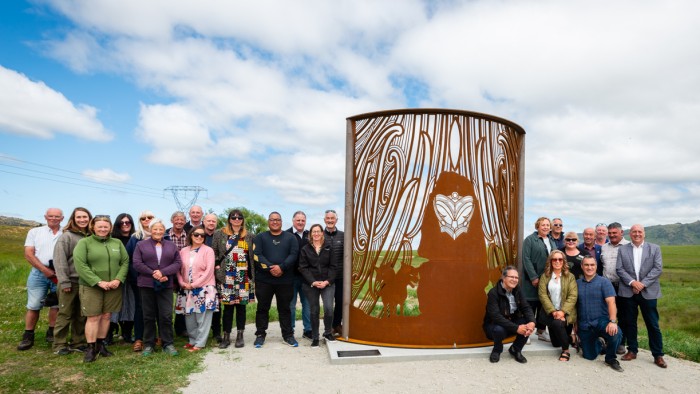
95 301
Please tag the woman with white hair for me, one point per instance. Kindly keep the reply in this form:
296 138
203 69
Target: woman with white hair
157 261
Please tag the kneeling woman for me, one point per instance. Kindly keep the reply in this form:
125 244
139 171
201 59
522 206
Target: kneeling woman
157 261
102 264
558 293
318 266
197 298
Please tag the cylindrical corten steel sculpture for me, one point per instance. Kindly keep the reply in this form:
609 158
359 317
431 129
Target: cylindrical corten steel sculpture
433 202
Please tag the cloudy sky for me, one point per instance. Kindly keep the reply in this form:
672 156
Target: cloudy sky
104 104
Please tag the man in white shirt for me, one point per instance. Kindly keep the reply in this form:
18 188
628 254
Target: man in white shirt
38 250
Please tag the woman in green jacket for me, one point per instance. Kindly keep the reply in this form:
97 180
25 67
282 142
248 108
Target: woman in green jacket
102 264
558 293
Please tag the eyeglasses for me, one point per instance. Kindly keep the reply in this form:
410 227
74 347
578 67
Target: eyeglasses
557 225
601 224
558 259
146 218
125 223
201 235
274 220
236 217
512 277
101 217
570 239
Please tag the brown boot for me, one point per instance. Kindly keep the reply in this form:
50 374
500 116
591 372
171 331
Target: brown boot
102 349
225 341
27 341
239 339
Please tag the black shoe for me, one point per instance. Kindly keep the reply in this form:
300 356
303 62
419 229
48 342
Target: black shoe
64 351
27 341
49 335
518 356
90 353
225 341
314 343
495 357
102 349
218 338
614 364
81 348
240 342
329 337
307 335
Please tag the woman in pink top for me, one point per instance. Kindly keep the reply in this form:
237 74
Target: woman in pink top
197 298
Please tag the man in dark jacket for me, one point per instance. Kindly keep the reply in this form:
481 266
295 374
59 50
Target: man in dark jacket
508 313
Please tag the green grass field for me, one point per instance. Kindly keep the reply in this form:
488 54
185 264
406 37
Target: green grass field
38 370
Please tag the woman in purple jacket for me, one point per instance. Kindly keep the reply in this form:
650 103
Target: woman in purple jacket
157 261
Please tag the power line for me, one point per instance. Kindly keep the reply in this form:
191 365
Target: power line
121 184
78 184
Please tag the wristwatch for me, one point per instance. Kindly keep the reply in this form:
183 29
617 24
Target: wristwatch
613 321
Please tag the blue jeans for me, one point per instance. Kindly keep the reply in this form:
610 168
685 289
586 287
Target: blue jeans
632 306
305 314
37 287
591 346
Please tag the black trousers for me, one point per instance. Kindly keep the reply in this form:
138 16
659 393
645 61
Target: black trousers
283 294
228 317
498 333
157 307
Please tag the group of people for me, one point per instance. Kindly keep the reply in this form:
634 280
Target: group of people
132 275
586 295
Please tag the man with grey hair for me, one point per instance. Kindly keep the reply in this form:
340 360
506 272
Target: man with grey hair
337 240
557 233
302 237
608 257
196 214
601 234
639 267
177 232
38 251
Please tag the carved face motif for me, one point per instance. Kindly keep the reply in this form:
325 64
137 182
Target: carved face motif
453 213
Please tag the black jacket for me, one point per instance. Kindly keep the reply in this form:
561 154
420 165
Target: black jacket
321 266
498 308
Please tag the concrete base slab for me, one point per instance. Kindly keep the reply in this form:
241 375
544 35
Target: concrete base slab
342 353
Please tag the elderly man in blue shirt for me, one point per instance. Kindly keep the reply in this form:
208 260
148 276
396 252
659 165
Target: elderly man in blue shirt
597 315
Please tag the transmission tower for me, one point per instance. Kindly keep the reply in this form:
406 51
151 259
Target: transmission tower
182 193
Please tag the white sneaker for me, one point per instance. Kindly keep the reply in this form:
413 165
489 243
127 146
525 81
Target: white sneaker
543 336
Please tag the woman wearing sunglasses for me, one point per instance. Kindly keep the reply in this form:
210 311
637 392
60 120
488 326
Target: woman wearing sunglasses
574 254
558 293
197 298
233 246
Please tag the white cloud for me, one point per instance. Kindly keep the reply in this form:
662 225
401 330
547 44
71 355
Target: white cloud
607 92
106 175
21 99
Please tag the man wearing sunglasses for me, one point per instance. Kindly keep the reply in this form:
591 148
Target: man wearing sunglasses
557 233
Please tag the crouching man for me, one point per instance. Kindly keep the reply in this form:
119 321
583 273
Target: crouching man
597 315
508 313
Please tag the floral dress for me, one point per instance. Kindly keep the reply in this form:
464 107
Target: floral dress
238 287
197 300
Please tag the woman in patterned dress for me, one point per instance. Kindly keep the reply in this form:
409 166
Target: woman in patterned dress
234 256
197 298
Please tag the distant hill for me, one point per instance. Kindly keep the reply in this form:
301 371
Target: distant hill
9 221
673 234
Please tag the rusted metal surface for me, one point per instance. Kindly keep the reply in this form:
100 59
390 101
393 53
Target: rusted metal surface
432 201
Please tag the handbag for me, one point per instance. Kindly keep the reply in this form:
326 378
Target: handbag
51 299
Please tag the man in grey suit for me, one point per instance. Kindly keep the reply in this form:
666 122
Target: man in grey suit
639 267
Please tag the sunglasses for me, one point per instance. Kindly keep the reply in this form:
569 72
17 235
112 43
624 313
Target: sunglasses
558 259
201 235
570 239
236 217
101 217
125 223
557 225
146 218
330 211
